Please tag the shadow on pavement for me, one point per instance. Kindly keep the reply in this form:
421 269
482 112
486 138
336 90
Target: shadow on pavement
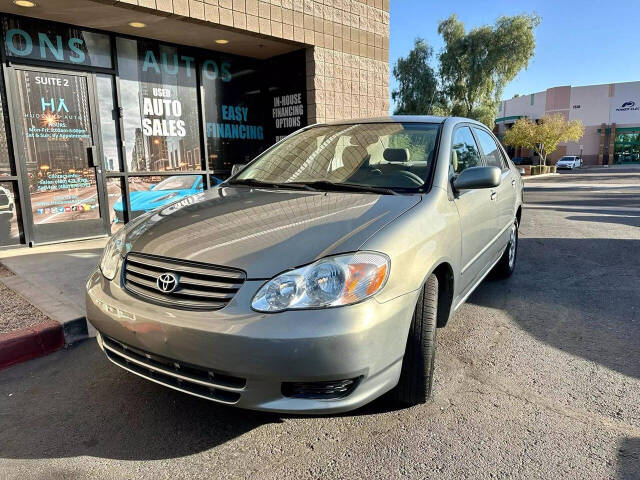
78 403
75 403
578 295
629 459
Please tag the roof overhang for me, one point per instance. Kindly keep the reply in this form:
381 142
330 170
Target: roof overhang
167 28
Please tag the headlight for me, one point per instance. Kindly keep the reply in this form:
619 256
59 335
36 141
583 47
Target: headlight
112 253
166 197
330 282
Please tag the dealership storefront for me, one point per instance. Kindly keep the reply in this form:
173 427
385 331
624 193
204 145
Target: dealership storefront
100 127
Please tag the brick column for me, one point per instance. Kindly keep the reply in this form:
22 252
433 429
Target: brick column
612 140
603 131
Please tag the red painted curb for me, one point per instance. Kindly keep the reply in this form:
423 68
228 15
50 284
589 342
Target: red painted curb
30 342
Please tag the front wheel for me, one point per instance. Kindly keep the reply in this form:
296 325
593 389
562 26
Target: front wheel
507 263
416 378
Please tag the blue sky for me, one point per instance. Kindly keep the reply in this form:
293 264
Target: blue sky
579 42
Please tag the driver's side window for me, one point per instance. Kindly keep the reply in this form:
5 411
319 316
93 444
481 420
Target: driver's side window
464 151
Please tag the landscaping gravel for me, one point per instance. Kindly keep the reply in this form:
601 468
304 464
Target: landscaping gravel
15 311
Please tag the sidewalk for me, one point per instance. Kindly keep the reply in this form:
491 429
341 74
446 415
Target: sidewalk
52 279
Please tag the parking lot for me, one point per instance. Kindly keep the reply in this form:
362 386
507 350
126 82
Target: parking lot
536 377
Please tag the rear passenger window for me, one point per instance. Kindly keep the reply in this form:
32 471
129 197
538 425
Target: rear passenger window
490 150
464 151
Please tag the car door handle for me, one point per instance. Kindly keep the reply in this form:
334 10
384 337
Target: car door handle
513 182
494 195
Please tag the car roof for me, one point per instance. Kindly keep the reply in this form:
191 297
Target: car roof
403 119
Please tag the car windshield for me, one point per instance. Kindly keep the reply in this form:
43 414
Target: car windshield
382 157
182 182
567 159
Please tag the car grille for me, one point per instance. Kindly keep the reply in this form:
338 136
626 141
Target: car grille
199 381
200 286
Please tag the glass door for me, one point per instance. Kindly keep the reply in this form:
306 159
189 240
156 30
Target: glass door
58 152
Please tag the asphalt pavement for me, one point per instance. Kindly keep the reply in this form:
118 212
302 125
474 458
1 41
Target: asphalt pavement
537 376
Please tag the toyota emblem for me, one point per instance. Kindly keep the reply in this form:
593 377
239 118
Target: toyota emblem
167 282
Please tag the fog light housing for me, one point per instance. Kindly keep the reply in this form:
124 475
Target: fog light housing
332 389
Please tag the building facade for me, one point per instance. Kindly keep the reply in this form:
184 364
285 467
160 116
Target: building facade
610 114
113 107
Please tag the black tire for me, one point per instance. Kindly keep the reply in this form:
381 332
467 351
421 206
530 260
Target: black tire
506 265
416 378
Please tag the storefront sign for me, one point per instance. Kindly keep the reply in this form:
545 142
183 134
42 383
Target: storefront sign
167 113
625 104
287 113
34 39
234 125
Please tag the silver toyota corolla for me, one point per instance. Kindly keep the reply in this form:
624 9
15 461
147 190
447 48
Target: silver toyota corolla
313 280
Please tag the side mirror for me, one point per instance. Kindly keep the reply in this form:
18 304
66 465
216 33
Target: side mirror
237 168
477 177
522 171
152 186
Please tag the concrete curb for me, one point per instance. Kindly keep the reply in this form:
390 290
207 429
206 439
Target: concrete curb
31 342
543 175
65 327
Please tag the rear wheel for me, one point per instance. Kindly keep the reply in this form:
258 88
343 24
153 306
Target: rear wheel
416 378
507 263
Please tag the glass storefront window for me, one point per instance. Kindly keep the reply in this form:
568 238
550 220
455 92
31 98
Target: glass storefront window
106 110
51 42
5 164
116 206
160 110
233 110
150 192
627 148
55 119
9 230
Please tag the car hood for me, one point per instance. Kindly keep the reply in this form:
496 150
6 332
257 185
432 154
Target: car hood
265 232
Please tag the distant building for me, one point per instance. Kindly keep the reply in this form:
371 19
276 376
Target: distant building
610 114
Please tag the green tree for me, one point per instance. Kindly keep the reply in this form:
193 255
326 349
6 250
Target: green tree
544 136
476 66
417 92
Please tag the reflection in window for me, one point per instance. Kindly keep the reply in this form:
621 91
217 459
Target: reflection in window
5 166
151 192
363 154
9 230
160 111
492 156
464 152
116 207
110 150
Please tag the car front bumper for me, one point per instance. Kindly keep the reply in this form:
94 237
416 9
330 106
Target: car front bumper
365 341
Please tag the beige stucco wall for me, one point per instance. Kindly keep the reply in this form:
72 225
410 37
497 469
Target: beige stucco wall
347 44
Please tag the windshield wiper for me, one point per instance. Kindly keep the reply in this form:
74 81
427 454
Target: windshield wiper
324 184
316 185
257 183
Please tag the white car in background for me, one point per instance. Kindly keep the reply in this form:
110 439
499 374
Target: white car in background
570 161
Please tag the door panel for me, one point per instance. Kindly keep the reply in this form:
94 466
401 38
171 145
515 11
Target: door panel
55 126
505 193
477 212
